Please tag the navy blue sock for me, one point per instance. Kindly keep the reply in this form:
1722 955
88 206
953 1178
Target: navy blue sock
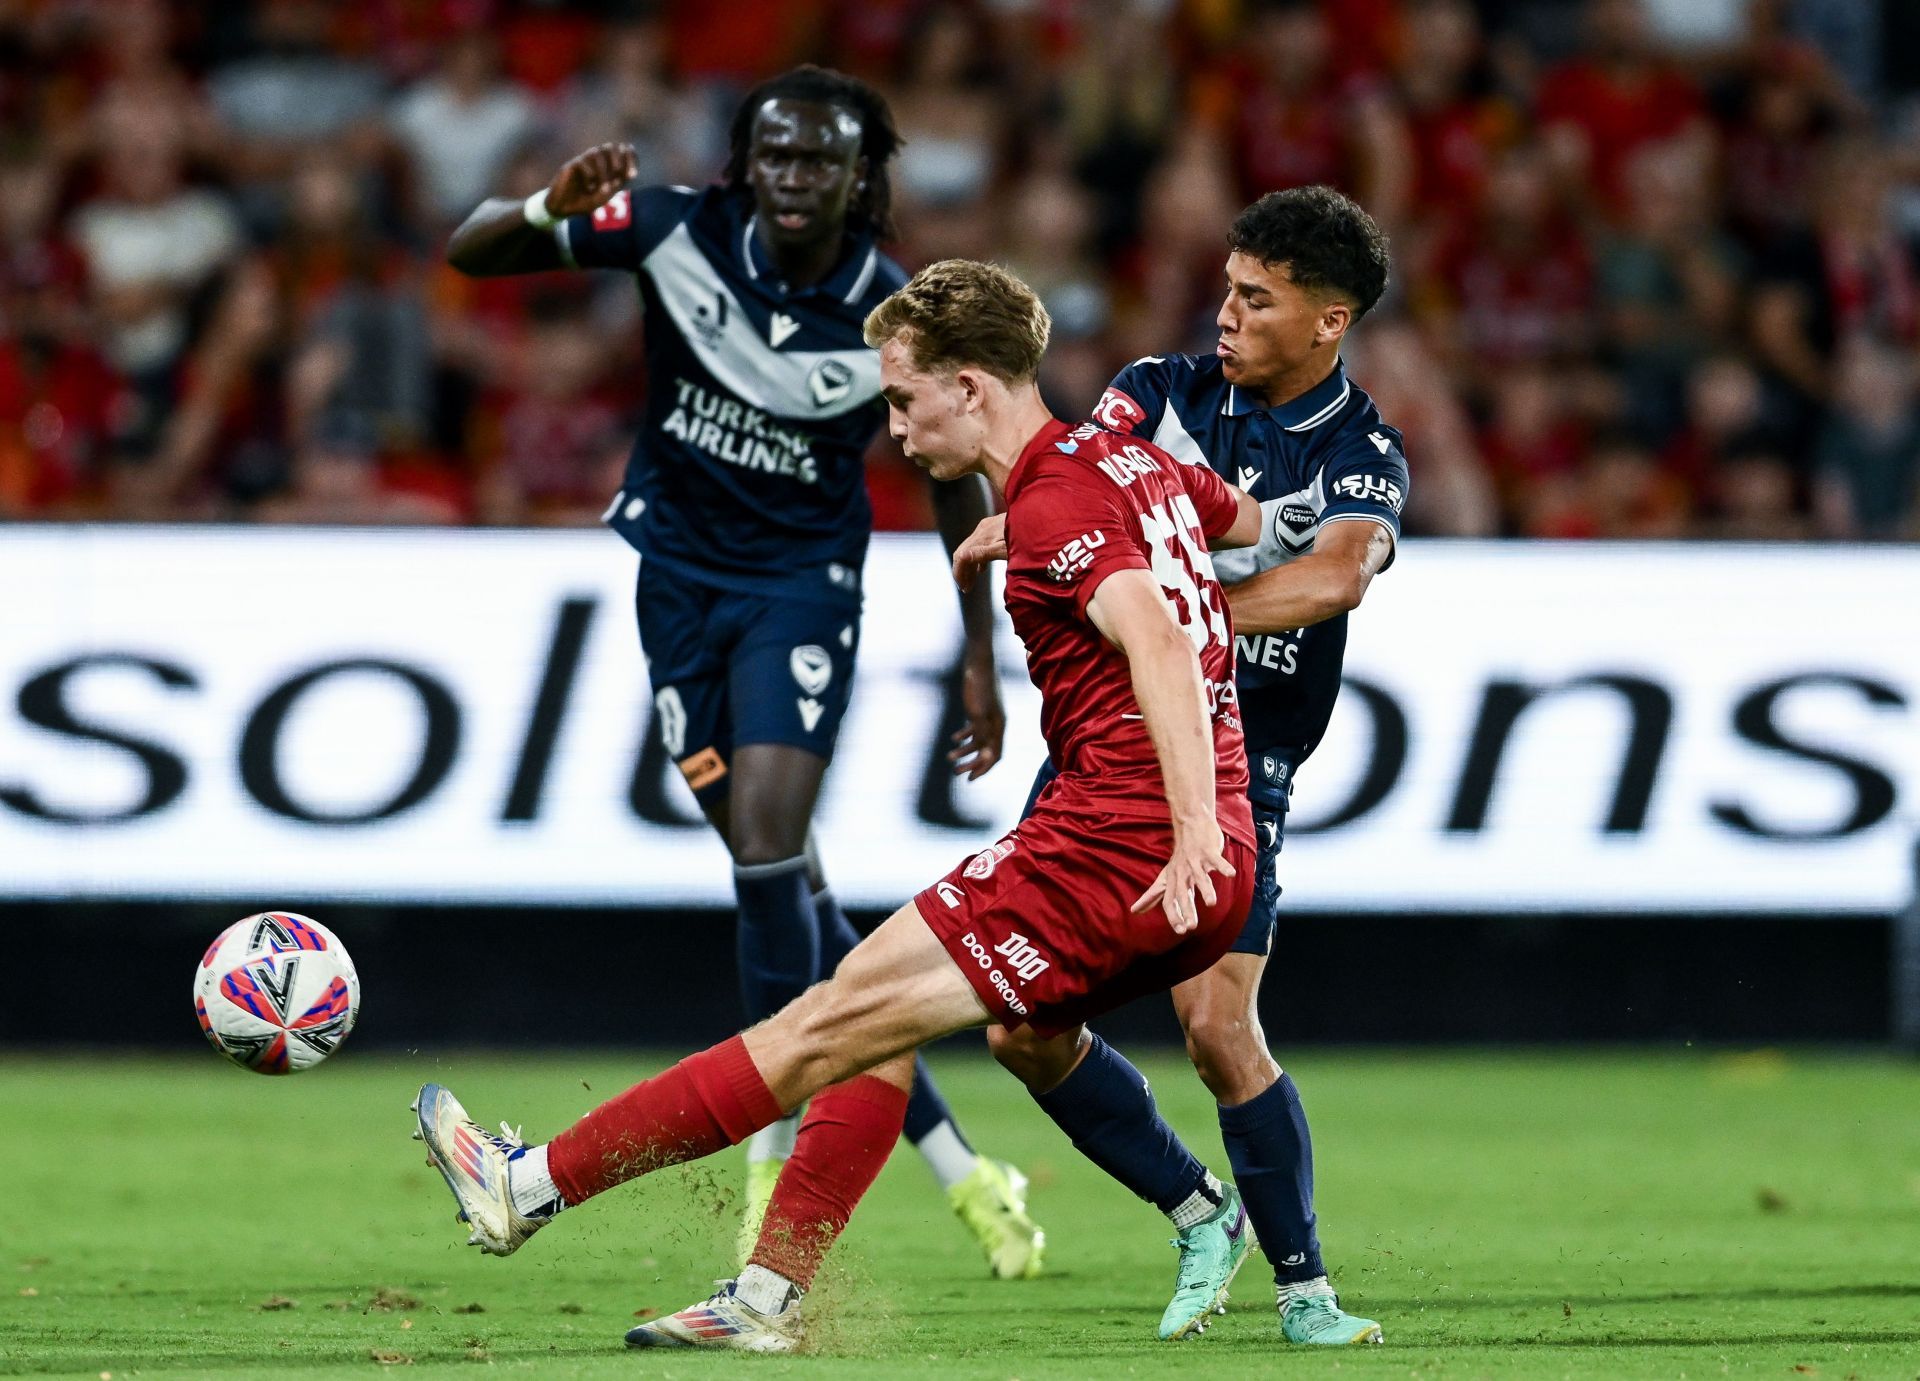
1272 1157
926 1109
779 938
1108 1112
837 935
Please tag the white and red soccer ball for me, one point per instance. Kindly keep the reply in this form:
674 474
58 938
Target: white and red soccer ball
276 993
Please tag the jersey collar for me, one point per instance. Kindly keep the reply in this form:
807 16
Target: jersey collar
1300 414
850 279
1046 439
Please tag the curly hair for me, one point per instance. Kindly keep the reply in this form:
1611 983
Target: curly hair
1327 242
872 206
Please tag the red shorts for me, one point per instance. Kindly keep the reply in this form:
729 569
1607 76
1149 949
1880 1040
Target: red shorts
1041 923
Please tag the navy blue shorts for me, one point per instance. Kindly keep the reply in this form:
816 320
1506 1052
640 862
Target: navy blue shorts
730 668
1270 828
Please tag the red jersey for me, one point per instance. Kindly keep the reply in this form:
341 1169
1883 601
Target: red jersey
1082 503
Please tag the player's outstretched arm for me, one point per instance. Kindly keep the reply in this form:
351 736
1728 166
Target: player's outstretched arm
1331 579
1132 614
961 506
499 238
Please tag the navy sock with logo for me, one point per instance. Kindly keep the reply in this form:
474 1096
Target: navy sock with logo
1107 1110
1272 1157
779 936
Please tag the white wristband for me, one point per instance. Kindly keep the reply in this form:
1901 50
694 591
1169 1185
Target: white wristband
535 210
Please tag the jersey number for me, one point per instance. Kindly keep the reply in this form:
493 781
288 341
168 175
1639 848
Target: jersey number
1184 570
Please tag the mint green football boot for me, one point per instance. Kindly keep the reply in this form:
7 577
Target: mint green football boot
1212 1252
1319 1320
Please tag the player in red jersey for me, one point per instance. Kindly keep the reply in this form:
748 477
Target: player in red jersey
1132 874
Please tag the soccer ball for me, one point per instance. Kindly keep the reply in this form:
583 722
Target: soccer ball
276 993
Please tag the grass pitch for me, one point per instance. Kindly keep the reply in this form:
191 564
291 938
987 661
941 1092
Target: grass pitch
1539 1215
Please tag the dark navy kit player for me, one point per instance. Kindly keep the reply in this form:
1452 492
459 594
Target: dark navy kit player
746 499
1273 412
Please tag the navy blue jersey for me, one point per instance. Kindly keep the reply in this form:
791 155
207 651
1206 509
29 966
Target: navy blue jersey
1326 457
761 398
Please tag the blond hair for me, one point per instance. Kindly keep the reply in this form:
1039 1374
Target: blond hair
960 313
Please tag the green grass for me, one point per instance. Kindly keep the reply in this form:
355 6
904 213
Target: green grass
1539 1215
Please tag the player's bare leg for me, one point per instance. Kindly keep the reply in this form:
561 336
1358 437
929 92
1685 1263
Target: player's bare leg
896 991
766 817
1265 1132
1110 1114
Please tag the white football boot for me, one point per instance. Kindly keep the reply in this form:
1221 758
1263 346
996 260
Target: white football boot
725 1321
473 1161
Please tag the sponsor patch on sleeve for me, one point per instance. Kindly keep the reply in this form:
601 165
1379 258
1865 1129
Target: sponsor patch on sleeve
617 214
1370 489
1117 412
1075 556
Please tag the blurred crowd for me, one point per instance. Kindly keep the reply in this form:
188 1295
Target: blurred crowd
1655 260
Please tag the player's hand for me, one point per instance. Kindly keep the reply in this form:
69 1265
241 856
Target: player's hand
1197 855
985 545
977 743
586 182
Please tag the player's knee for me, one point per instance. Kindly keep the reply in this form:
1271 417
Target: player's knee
1042 1063
822 1028
1229 1052
757 844
1025 1056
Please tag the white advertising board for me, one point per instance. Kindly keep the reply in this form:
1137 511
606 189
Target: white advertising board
428 716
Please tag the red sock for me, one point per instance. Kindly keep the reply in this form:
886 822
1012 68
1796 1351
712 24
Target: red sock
710 1100
845 1138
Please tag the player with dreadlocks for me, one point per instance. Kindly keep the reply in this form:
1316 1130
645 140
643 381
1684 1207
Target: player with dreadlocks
746 500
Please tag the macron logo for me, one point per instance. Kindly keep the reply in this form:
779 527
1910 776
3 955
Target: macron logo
781 328
1249 476
1378 440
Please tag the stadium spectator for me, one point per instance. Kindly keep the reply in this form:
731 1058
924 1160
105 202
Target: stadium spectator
1458 117
1784 107
137 78
460 128
1513 281
1119 99
555 441
1624 493
1047 239
1173 271
678 131
1867 461
1667 284
1723 414
1852 274
1756 499
1618 95
361 346
289 91
336 478
1534 444
60 404
1296 119
151 244
1455 496
947 111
